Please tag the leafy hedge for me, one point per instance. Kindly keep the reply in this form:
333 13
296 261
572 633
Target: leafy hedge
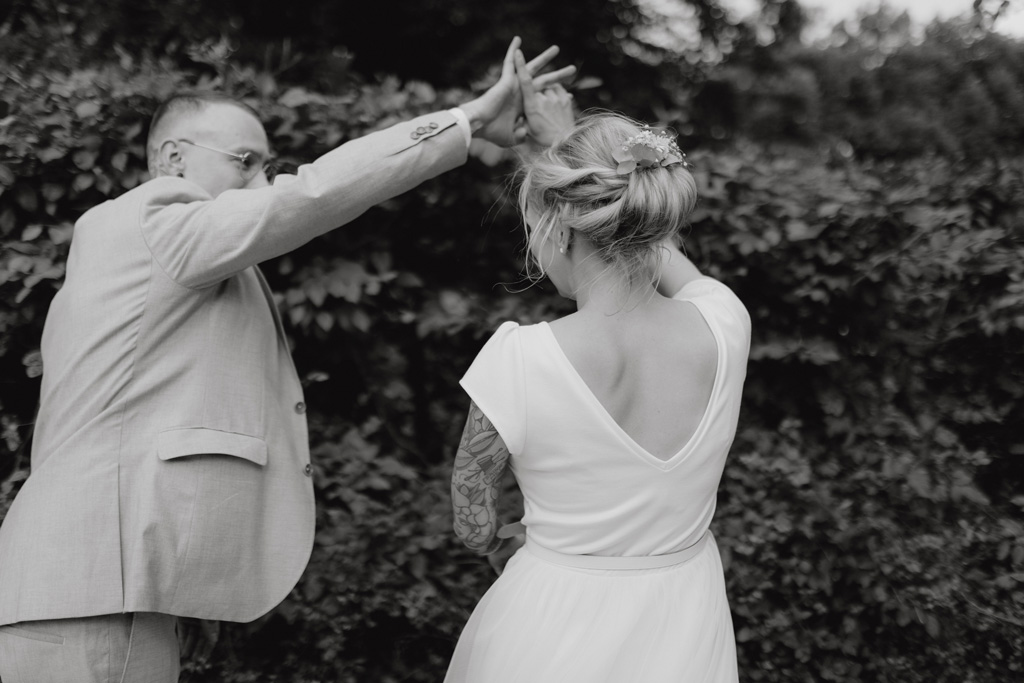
878 92
870 517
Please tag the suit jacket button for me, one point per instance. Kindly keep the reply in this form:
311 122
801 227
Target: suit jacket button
421 130
308 470
300 407
433 126
414 135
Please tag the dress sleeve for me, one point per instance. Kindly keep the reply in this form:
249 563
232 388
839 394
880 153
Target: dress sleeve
496 384
716 297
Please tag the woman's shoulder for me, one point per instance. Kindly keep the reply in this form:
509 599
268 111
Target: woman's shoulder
570 321
524 333
704 286
716 298
514 330
507 342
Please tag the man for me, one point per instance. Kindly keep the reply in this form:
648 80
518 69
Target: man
171 473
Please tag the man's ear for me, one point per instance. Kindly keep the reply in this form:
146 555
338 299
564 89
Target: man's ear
169 159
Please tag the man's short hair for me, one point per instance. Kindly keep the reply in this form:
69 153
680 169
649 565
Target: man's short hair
183 103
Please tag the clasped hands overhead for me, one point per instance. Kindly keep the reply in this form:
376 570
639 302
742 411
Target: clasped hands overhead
510 111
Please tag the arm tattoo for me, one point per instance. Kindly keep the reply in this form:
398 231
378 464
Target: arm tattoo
479 465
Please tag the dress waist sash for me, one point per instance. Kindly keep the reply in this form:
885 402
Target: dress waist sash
614 562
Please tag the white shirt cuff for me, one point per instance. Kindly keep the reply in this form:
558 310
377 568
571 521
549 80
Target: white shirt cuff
463 122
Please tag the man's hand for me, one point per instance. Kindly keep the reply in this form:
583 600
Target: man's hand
197 638
497 114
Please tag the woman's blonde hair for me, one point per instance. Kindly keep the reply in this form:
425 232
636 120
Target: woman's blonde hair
574 184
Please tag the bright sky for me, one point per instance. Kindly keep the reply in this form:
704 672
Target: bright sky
921 11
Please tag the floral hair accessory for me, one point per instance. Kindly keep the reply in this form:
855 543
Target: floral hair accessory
648 149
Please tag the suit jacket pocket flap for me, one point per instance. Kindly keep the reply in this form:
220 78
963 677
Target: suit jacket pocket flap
176 443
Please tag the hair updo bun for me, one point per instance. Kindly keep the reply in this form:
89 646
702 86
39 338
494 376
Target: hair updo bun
626 217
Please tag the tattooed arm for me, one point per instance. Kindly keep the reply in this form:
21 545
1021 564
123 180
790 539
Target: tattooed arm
479 465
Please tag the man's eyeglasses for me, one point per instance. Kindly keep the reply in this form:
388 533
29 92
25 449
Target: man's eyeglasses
249 163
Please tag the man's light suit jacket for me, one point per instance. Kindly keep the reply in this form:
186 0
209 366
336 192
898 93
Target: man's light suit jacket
170 465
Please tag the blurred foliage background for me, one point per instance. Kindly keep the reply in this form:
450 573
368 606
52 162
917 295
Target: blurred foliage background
863 195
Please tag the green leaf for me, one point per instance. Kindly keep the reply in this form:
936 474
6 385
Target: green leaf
920 482
33 362
83 181
31 232
49 154
85 110
325 321
26 198
60 234
85 159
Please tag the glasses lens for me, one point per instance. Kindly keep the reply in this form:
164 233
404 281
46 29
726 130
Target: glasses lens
250 163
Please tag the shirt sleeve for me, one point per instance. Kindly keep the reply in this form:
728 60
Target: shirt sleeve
496 384
463 123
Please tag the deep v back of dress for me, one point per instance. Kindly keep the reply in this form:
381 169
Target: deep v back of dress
652 369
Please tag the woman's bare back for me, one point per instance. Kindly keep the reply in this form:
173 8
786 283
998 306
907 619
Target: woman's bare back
652 367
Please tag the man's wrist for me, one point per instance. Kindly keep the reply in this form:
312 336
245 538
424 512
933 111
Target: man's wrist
474 116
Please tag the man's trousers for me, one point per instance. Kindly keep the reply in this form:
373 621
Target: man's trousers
113 648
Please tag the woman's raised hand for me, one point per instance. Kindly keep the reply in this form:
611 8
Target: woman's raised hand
547 109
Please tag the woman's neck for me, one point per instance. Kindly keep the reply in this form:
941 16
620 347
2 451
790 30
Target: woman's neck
605 290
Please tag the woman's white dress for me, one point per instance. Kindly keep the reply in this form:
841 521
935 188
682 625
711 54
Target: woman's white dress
590 490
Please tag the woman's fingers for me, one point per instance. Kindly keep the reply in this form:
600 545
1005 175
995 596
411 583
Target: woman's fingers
554 77
542 60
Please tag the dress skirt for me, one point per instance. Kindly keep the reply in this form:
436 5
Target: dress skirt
545 622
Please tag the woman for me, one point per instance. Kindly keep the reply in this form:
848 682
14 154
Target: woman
616 421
